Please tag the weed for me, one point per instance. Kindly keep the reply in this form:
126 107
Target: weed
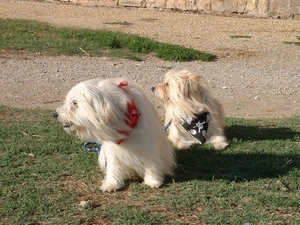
293 42
239 36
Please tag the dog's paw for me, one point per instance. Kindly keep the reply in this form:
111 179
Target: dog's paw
185 144
106 186
219 143
153 183
220 146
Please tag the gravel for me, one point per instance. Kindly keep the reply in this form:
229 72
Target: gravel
253 77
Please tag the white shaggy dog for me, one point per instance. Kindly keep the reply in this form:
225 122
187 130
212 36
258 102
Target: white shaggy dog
117 114
197 117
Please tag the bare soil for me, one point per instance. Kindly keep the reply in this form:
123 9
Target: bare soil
258 76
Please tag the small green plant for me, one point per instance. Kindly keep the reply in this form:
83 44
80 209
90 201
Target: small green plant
41 37
149 19
293 42
47 177
133 58
124 23
239 36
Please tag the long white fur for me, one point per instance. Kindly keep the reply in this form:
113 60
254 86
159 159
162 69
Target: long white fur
182 94
95 110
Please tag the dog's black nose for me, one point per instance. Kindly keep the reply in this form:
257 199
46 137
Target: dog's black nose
55 115
153 89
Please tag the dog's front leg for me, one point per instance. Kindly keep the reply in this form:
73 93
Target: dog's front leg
114 175
152 178
178 138
173 134
102 160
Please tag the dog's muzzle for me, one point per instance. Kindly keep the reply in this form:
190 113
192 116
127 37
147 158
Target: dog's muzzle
65 125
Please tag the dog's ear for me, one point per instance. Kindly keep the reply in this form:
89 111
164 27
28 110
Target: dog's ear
108 104
193 87
98 102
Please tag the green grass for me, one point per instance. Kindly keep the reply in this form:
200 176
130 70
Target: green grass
293 42
124 23
239 36
46 174
41 37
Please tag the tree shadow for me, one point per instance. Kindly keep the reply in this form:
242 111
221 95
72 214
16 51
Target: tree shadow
238 164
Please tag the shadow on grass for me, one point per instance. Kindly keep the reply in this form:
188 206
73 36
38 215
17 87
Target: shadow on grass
253 153
255 133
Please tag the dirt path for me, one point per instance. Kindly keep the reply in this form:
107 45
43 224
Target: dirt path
253 77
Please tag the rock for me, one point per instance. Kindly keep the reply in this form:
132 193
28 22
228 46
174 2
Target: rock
258 8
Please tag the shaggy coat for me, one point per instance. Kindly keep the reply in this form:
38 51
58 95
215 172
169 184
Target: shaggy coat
98 110
184 97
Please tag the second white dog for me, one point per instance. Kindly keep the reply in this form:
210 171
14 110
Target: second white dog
197 116
117 114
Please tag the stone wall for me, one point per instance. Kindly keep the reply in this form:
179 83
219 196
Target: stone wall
257 8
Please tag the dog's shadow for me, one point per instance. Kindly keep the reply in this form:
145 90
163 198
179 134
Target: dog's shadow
248 157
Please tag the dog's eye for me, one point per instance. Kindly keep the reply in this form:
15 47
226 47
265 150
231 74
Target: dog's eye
167 84
74 103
